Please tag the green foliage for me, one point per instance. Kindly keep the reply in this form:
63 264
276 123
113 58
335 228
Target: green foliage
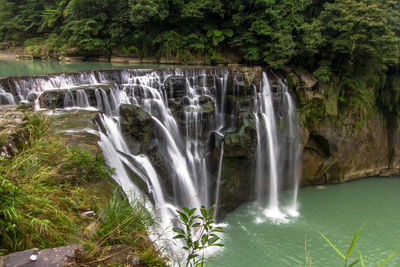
354 43
198 233
40 206
125 224
85 164
350 250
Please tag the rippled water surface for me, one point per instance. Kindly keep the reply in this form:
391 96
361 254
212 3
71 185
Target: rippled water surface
336 211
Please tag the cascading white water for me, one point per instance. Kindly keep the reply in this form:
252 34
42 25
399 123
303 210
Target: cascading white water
183 144
99 101
290 156
267 148
82 100
218 187
69 100
6 98
112 143
276 161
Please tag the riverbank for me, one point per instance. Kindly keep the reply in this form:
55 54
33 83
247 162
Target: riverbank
72 55
56 191
9 54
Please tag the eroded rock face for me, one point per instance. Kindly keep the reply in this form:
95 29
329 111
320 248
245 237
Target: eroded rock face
335 154
340 150
11 137
243 78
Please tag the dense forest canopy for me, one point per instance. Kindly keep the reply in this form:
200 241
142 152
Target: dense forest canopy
355 42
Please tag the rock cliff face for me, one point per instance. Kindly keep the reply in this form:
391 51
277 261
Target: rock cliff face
337 147
334 154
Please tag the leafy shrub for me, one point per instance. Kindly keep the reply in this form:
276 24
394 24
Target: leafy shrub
198 233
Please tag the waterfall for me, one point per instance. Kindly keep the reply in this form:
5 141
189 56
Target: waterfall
277 159
186 108
82 100
218 187
6 98
267 148
112 143
69 101
99 101
290 147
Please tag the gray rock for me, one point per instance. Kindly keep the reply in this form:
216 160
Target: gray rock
55 257
21 259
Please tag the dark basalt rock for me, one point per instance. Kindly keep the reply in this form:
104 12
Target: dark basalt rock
52 99
137 126
175 86
143 136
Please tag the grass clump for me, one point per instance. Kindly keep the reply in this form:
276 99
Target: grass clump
45 187
41 200
122 232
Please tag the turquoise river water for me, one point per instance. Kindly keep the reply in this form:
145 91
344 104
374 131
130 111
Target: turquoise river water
37 67
336 211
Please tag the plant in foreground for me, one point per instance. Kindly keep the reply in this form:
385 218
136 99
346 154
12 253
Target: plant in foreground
350 250
198 233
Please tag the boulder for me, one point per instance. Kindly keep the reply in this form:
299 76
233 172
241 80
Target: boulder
137 126
175 86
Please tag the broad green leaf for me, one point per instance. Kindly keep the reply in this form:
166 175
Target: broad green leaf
178 237
178 230
204 239
183 216
187 211
228 32
217 33
210 210
215 41
213 240
196 225
192 211
203 211
333 246
189 242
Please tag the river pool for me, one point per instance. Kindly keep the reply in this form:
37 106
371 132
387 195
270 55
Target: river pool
336 211
9 67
